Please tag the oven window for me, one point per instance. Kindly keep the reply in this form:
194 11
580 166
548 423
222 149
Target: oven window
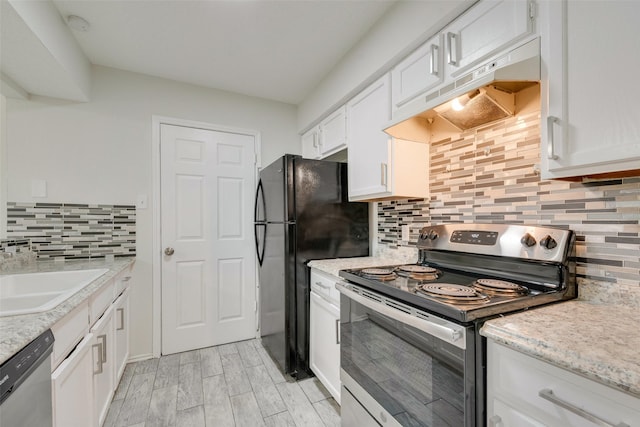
416 377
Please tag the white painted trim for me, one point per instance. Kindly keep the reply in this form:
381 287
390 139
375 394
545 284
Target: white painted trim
138 358
3 166
156 254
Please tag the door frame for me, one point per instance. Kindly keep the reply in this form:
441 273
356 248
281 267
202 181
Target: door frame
156 255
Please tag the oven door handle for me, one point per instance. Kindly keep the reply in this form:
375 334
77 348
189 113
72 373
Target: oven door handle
446 333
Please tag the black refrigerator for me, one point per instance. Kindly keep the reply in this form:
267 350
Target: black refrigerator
302 213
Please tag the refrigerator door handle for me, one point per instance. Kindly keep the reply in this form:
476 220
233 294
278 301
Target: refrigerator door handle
260 195
260 247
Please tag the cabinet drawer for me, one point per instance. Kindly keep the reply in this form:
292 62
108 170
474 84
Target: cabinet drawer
122 282
68 331
518 380
101 300
325 285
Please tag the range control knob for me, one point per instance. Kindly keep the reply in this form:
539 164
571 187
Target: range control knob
528 240
433 235
548 242
424 234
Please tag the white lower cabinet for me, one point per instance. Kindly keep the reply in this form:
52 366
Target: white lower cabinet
524 391
121 339
85 380
72 386
324 333
103 364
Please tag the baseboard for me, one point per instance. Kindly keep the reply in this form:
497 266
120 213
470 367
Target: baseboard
140 357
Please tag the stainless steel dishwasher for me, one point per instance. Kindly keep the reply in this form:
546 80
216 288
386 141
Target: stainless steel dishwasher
25 384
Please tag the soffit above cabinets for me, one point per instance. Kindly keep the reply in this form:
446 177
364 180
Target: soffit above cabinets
39 56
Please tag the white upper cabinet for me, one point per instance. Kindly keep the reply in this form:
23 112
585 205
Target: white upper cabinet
447 61
379 167
417 73
333 132
327 138
485 29
590 114
369 146
311 143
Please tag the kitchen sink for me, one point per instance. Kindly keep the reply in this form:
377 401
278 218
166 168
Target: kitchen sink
37 292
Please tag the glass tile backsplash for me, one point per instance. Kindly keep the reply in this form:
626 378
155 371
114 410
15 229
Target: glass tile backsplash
489 175
73 231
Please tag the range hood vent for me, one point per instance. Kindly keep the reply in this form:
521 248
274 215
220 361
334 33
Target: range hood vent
481 96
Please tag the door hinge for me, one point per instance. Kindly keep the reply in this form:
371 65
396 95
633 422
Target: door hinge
532 10
256 306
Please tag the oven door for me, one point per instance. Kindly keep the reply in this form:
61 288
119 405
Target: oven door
403 366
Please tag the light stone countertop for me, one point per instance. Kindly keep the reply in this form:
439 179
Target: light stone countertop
18 331
598 341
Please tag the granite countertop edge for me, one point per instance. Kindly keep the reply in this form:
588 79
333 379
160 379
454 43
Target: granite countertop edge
18 331
612 363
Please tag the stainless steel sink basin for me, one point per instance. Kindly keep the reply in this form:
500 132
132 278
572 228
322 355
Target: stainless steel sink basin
37 292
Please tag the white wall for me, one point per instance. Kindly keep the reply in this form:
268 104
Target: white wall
100 151
407 25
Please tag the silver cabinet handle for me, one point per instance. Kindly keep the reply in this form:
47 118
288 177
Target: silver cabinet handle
452 57
103 337
383 174
495 421
322 286
433 60
547 394
99 347
337 331
551 121
121 311
169 251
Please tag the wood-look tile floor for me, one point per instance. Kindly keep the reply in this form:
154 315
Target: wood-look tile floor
234 384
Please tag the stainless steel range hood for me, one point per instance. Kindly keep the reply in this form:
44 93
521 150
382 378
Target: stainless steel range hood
482 95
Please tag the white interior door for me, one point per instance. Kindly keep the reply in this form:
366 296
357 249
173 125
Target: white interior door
208 268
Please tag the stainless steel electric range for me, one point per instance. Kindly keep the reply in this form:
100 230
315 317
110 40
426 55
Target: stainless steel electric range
411 352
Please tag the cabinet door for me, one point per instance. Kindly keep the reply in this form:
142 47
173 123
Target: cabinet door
333 132
547 395
103 364
369 146
121 326
417 73
483 30
590 115
310 144
72 388
324 343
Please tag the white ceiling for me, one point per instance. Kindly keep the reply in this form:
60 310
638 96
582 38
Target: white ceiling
279 50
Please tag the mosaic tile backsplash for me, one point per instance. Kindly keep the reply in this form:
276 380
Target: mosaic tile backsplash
74 231
487 175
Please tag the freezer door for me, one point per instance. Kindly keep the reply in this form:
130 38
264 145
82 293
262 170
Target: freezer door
329 226
274 185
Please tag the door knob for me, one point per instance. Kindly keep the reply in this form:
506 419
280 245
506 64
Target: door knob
169 251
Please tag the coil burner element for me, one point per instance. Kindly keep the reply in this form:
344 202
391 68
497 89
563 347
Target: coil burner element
453 294
418 272
499 287
384 274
